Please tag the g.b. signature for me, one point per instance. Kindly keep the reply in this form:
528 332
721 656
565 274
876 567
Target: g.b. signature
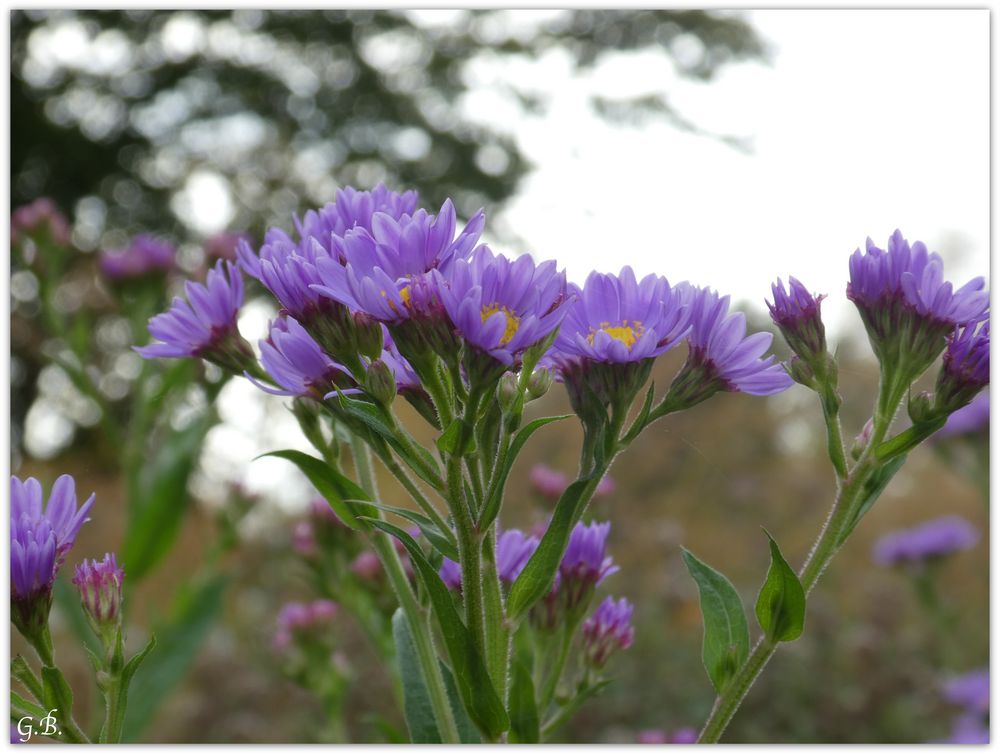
46 726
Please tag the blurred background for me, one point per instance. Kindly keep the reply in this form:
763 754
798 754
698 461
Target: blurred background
723 148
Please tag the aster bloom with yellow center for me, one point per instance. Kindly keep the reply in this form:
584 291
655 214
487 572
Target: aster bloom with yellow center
616 319
502 307
384 272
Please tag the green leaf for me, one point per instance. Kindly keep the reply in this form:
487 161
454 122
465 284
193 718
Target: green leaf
524 724
178 644
727 637
781 604
20 670
475 687
156 513
494 498
56 692
20 707
417 708
536 578
337 489
457 431
872 490
443 542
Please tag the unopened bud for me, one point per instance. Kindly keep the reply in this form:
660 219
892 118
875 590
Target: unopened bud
801 372
369 335
539 383
921 408
507 391
380 382
100 586
861 442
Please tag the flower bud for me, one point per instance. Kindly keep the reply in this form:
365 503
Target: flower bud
369 334
921 408
507 391
380 382
861 442
801 372
539 383
608 630
100 586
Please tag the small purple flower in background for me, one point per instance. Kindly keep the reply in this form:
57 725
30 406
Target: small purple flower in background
584 565
906 305
42 214
303 539
514 548
683 736
721 356
608 630
300 621
503 307
145 255
100 586
970 690
605 487
969 729
930 540
617 320
205 327
223 246
549 482
366 565
40 537
965 369
971 419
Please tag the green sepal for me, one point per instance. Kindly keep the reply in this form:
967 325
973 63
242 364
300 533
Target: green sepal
781 604
475 687
337 489
726 644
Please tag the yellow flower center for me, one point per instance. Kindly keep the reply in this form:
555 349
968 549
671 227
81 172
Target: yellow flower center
626 333
404 294
513 321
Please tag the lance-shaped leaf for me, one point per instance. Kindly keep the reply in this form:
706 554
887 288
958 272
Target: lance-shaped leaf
873 488
781 605
443 541
343 494
537 576
475 687
727 637
524 724
494 496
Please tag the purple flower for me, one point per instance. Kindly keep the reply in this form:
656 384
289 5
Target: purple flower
586 559
205 327
609 629
302 620
616 320
100 586
549 482
224 245
451 574
796 313
722 357
966 366
970 730
682 736
514 548
970 691
906 305
366 565
930 540
503 307
384 272
144 256
971 419
40 537
605 487
40 215
297 363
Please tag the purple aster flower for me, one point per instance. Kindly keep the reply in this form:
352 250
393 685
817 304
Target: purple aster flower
40 537
796 313
970 691
722 357
297 364
971 419
549 482
41 216
451 574
502 307
514 548
930 540
583 567
100 586
907 307
970 729
146 255
205 327
966 366
384 272
608 630
366 565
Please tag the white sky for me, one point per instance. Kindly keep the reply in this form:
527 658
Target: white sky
866 121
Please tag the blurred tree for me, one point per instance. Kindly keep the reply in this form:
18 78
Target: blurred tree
275 109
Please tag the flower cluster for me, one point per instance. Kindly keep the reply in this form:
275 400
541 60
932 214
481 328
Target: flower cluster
965 369
302 621
925 542
41 216
100 585
609 629
971 693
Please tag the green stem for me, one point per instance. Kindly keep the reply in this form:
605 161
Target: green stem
114 712
552 680
850 491
834 435
414 490
415 617
498 636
